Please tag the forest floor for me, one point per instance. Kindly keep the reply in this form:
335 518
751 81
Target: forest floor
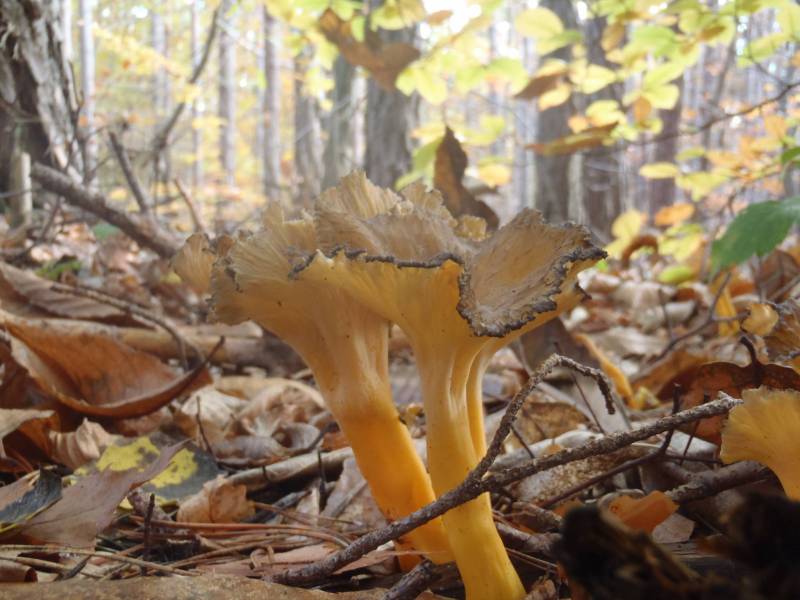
145 452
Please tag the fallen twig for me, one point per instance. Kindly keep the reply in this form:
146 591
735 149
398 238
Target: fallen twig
74 193
713 481
476 484
296 466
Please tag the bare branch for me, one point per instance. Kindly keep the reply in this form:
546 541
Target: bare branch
130 176
146 235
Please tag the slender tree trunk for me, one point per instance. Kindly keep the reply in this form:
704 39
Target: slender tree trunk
88 87
389 120
307 151
196 51
600 169
227 96
161 92
271 107
662 191
338 155
66 30
553 172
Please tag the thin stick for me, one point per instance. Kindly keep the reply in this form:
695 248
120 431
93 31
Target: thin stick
130 175
99 553
199 225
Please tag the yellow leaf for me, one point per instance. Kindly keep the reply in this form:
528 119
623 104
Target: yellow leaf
494 175
674 214
595 78
538 23
775 126
660 170
641 110
628 224
612 36
555 97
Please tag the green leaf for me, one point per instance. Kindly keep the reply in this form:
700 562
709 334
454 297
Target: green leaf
676 274
758 229
662 74
792 155
762 48
595 78
788 18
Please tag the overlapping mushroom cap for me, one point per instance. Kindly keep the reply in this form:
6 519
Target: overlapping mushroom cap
766 428
522 274
343 342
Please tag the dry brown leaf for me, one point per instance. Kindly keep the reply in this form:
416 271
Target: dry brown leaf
87 507
39 292
210 410
76 448
783 341
643 514
203 587
588 138
12 419
383 61
540 84
281 401
448 175
705 382
96 375
775 275
219 501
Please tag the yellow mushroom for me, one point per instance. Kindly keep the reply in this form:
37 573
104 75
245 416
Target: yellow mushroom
766 428
458 300
346 347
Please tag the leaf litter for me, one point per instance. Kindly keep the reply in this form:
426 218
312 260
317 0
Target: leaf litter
241 471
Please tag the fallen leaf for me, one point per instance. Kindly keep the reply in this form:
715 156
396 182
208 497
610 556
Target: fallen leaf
703 383
87 507
203 587
76 448
39 292
783 341
21 500
218 502
94 374
643 514
188 470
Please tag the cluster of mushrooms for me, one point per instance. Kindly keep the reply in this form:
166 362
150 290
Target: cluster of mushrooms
331 283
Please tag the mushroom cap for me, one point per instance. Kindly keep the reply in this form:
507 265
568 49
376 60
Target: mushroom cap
193 262
413 254
766 428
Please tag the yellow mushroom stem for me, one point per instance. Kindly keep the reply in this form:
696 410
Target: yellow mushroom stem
354 380
480 555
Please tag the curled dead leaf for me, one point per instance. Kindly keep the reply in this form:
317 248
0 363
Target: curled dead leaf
448 174
94 374
76 448
219 501
384 61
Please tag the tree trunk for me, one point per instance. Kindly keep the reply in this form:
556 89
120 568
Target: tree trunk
307 158
662 191
38 107
66 30
161 92
227 96
390 117
88 135
196 50
338 155
600 169
271 107
552 172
